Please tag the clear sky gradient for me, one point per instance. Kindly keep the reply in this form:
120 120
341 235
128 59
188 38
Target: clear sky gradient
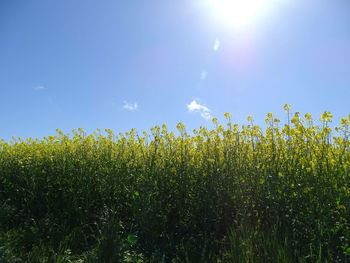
122 64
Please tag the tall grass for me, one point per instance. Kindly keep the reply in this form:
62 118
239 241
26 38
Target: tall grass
230 194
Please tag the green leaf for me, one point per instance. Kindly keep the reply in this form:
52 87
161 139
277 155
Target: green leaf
132 239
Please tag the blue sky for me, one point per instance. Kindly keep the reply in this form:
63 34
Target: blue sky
123 64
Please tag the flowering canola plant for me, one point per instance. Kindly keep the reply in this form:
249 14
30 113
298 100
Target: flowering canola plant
229 193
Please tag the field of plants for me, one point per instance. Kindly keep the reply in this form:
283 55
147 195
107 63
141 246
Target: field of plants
228 194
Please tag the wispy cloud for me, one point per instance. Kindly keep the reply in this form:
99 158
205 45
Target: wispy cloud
130 106
39 88
203 110
216 45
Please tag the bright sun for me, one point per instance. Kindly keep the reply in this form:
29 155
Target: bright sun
239 14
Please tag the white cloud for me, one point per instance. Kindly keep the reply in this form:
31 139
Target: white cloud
130 106
203 110
204 74
39 88
216 45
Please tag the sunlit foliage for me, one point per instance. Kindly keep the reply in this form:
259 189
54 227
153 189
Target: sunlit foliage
232 193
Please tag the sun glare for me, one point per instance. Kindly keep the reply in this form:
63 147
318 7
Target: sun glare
239 14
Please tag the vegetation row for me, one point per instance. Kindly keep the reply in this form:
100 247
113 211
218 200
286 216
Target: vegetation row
227 194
